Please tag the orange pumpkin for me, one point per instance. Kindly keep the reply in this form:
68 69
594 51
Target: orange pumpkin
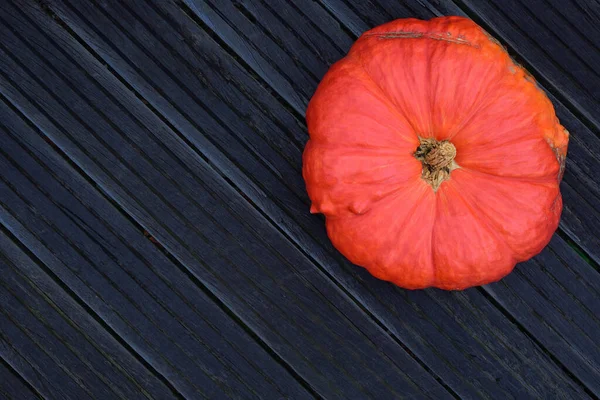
434 157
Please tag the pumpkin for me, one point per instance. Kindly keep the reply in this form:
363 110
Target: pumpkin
435 159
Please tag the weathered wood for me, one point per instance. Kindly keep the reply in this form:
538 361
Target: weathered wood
13 386
193 46
141 294
207 159
209 227
51 326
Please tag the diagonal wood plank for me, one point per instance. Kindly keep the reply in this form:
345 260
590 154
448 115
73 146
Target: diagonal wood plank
126 279
207 225
51 326
147 81
13 386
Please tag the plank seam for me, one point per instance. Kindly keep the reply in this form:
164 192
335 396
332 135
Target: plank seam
31 335
492 298
306 19
142 259
216 93
89 310
44 381
201 286
559 312
111 256
112 283
298 113
184 88
78 328
20 377
283 73
256 22
578 249
52 332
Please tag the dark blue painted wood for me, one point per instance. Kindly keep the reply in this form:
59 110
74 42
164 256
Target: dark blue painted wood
208 161
165 36
228 245
43 322
142 295
12 385
226 87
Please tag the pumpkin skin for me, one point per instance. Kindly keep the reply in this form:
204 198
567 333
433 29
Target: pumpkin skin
409 84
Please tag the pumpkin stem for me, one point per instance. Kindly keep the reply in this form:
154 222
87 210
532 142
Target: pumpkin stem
437 158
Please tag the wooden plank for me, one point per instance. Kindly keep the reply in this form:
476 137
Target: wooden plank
396 309
370 8
208 225
13 386
64 332
286 19
583 158
261 58
165 308
43 370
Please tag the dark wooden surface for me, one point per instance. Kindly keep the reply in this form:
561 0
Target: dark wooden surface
155 240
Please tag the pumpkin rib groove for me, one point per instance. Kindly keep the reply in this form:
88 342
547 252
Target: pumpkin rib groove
392 192
362 146
482 103
498 143
481 222
430 96
473 206
474 203
434 269
409 214
366 171
394 107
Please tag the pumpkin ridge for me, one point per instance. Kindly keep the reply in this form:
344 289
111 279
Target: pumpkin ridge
434 269
397 110
491 224
484 223
480 106
386 196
